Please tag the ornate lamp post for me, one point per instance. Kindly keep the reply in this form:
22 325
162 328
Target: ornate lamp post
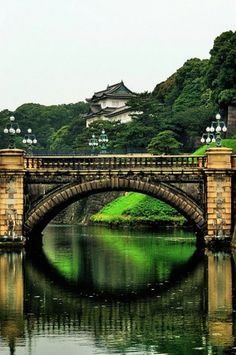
103 140
93 143
29 140
208 137
12 129
213 133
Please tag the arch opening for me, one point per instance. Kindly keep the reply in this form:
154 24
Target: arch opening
48 207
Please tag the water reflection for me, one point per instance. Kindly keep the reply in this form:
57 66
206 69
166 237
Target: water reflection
119 263
11 298
220 296
183 300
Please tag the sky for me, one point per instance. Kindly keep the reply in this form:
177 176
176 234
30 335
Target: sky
62 51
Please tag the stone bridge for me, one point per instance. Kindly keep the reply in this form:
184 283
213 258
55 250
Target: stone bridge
202 188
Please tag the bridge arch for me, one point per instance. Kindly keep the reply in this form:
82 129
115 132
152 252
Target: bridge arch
51 204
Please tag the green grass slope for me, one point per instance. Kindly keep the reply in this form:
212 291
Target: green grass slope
134 208
227 143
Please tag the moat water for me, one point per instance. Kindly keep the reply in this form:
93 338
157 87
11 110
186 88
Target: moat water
93 290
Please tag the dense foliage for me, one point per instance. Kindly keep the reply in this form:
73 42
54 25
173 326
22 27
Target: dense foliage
48 123
164 143
184 104
221 73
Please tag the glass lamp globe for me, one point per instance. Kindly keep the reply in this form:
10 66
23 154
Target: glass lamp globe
5 130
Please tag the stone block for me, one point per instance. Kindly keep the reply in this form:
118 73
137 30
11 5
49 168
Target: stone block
219 158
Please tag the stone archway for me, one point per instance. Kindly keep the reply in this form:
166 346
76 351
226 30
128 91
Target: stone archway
47 208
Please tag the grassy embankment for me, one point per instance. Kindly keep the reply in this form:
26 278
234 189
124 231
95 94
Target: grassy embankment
226 143
135 208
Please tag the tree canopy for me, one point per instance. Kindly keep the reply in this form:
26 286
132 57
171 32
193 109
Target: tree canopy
164 143
221 73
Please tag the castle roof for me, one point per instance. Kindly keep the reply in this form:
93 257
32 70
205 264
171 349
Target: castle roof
118 90
108 112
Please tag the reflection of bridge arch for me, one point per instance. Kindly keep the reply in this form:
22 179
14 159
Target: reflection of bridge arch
87 285
147 314
50 205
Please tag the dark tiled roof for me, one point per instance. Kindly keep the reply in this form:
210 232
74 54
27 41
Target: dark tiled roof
118 111
108 112
116 90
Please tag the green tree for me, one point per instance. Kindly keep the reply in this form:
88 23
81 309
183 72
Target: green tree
221 74
190 123
58 139
165 142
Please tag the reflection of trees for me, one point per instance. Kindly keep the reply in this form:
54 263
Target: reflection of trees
88 284
111 263
153 322
117 324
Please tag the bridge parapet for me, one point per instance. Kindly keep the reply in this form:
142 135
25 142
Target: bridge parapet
124 162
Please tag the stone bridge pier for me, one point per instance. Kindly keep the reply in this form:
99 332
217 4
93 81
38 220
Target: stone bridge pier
219 195
11 193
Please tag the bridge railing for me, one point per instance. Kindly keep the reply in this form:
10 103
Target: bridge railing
119 162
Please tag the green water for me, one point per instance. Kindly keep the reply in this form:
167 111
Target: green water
93 290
